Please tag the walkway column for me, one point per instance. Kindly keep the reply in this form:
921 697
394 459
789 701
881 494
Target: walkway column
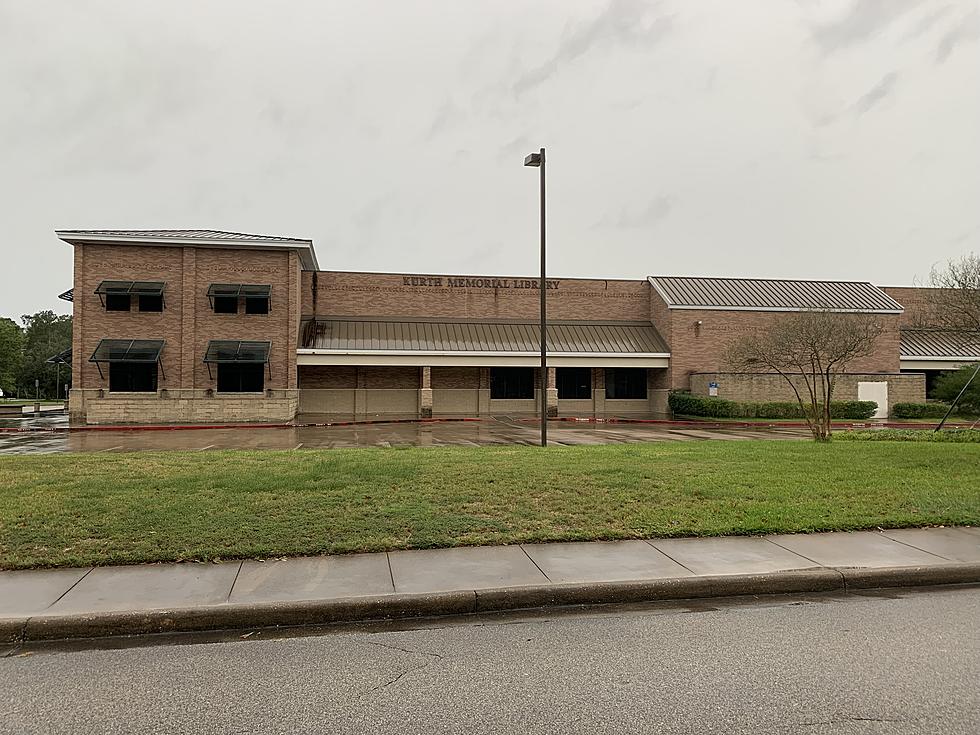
552 394
425 394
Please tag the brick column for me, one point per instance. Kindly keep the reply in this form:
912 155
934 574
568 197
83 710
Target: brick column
552 394
360 392
483 400
188 333
599 391
425 393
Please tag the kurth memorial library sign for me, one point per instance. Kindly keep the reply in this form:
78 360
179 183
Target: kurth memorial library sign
461 282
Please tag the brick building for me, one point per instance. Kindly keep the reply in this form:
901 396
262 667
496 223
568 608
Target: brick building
210 326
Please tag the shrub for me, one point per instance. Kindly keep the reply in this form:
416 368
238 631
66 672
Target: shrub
920 410
685 404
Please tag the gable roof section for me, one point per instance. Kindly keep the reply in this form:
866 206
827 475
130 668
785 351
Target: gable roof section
947 344
196 238
757 294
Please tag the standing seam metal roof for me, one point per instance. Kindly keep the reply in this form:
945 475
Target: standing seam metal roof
358 335
186 234
919 343
772 294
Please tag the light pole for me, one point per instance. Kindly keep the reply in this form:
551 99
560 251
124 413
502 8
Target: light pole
537 160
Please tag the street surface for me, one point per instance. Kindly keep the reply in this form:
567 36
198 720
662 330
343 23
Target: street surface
902 662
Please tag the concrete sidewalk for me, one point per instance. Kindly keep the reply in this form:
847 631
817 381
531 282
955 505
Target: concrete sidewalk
103 601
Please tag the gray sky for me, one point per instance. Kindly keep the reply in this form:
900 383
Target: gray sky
770 138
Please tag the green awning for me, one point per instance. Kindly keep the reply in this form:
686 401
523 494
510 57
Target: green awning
128 350
235 290
63 357
131 288
224 351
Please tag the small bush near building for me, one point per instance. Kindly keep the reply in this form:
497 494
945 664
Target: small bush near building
920 410
685 404
959 436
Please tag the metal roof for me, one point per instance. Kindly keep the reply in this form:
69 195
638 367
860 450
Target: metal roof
473 336
941 343
197 238
225 350
183 235
757 294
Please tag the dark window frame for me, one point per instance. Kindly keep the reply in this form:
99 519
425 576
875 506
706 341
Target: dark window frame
133 377
626 384
118 302
570 383
229 304
240 377
149 303
511 383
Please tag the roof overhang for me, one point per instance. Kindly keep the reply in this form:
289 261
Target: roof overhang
927 362
421 358
303 248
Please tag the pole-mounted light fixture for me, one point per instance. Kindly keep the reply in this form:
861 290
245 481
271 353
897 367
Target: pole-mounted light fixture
537 161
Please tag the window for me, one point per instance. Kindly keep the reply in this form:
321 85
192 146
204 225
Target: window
512 383
256 304
132 377
225 304
225 297
151 302
241 377
117 302
574 382
118 295
626 383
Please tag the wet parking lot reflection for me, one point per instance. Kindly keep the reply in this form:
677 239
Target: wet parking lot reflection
49 435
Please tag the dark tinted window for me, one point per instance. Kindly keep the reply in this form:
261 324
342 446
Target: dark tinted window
132 377
117 302
574 382
512 383
246 377
151 303
225 304
256 304
626 383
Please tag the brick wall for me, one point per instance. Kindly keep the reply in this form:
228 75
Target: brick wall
760 387
187 321
377 294
185 406
702 347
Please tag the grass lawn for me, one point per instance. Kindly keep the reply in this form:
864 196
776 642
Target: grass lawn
76 509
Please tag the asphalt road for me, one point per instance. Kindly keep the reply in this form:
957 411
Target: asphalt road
852 664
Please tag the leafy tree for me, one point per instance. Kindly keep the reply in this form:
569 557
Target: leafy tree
45 335
810 349
11 354
949 385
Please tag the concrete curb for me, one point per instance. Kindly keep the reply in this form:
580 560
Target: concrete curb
464 602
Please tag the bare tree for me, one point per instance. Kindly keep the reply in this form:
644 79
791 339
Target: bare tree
954 302
810 349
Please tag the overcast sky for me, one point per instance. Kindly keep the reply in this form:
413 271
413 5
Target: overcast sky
768 138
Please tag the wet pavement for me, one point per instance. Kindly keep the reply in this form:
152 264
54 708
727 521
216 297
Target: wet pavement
484 432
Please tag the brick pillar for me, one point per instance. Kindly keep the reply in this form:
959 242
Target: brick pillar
483 401
188 333
599 391
552 394
425 393
360 392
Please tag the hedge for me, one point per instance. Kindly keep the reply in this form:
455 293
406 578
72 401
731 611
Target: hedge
920 410
685 404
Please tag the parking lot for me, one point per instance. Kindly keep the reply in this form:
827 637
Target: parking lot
50 434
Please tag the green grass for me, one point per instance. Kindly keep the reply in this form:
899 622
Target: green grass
75 509
954 436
